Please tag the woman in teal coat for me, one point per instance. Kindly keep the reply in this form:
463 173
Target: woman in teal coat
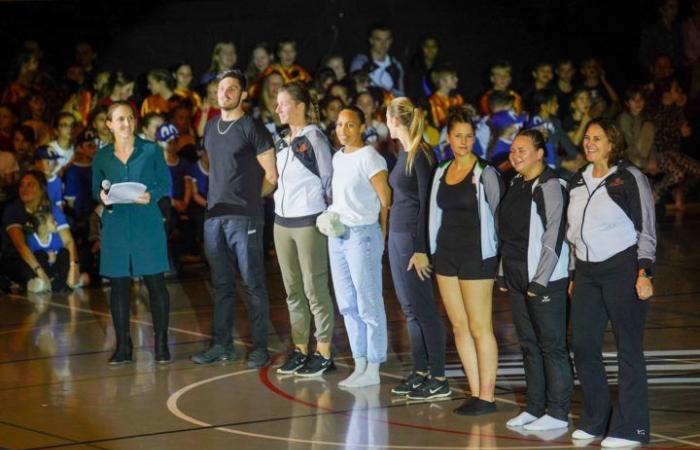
133 241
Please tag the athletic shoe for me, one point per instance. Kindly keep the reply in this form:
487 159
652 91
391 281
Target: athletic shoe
315 365
216 352
475 407
258 358
411 383
613 442
294 362
431 389
580 434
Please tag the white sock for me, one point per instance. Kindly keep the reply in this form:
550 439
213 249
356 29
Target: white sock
613 442
580 434
546 422
369 378
360 366
521 419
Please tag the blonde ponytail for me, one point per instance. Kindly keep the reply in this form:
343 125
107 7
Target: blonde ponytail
412 118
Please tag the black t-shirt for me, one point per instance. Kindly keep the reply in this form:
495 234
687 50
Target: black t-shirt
514 219
459 229
409 210
235 176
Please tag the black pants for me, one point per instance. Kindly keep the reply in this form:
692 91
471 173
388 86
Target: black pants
426 331
58 271
158 298
541 326
606 291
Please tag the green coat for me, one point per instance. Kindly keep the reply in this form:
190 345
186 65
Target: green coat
133 240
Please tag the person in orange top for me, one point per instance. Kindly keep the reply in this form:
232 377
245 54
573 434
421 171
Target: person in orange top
162 86
182 73
286 54
500 80
444 96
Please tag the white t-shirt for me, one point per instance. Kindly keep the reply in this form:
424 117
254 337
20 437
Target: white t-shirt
354 198
65 155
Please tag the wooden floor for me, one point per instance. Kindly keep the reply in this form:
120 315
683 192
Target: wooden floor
56 390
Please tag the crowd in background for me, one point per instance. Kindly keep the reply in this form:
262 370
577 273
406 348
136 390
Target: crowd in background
52 123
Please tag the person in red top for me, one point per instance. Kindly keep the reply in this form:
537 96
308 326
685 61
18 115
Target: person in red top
210 108
162 86
182 73
444 96
500 81
286 54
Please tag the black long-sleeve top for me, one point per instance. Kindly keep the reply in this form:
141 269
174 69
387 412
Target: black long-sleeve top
409 210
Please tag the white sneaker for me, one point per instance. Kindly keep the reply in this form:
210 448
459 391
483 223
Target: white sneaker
613 442
521 419
580 434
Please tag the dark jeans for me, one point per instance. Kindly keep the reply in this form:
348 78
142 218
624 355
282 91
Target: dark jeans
541 326
158 298
426 331
235 242
58 271
603 292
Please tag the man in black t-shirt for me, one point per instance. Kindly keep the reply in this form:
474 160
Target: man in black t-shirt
241 171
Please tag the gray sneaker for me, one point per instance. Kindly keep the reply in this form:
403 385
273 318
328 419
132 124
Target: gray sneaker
258 357
216 352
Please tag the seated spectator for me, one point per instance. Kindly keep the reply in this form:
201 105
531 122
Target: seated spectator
545 120
260 59
223 57
564 86
418 73
9 174
267 104
323 80
341 91
210 108
336 63
162 85
285 65
542 74
376 132
34 113
150 124
503 125
120 88
445 95
330 107
182 73
604 99
638 131
78 178
500 81
26 69
48 249
384 70
8 121
98 122
18 262
23 145
46 161
579 115
64 127
200 185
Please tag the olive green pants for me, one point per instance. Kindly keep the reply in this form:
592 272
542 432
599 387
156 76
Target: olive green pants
303 257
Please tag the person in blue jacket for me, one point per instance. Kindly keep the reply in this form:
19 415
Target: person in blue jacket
133 238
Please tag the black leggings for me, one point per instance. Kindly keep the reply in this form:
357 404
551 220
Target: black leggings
159 300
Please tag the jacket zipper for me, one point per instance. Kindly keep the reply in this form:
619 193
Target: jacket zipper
583 217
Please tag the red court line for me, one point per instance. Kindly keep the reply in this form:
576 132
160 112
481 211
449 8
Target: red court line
264 374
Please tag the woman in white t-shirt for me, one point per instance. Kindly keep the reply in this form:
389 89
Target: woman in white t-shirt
361 198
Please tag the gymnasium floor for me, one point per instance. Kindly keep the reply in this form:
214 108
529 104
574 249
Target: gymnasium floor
56 390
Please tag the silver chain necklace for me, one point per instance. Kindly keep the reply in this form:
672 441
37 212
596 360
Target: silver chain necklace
227 128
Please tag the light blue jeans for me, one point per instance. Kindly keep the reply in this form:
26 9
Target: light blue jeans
356 269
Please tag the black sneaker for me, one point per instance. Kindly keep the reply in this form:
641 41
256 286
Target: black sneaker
475 407
258 357
294 362
412 383
431 389
216 352
315 365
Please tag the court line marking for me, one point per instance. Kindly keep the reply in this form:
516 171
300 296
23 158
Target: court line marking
194 333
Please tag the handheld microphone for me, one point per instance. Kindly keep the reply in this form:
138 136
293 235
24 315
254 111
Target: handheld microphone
106 185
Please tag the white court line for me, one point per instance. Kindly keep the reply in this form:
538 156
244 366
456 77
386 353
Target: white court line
187 388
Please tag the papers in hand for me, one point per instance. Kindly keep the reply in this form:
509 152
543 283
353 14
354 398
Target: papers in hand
126 192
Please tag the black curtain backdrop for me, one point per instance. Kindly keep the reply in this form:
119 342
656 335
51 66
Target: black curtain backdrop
138 36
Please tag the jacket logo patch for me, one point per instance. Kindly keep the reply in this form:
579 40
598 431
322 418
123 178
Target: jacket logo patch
546 299
302 148
617 182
